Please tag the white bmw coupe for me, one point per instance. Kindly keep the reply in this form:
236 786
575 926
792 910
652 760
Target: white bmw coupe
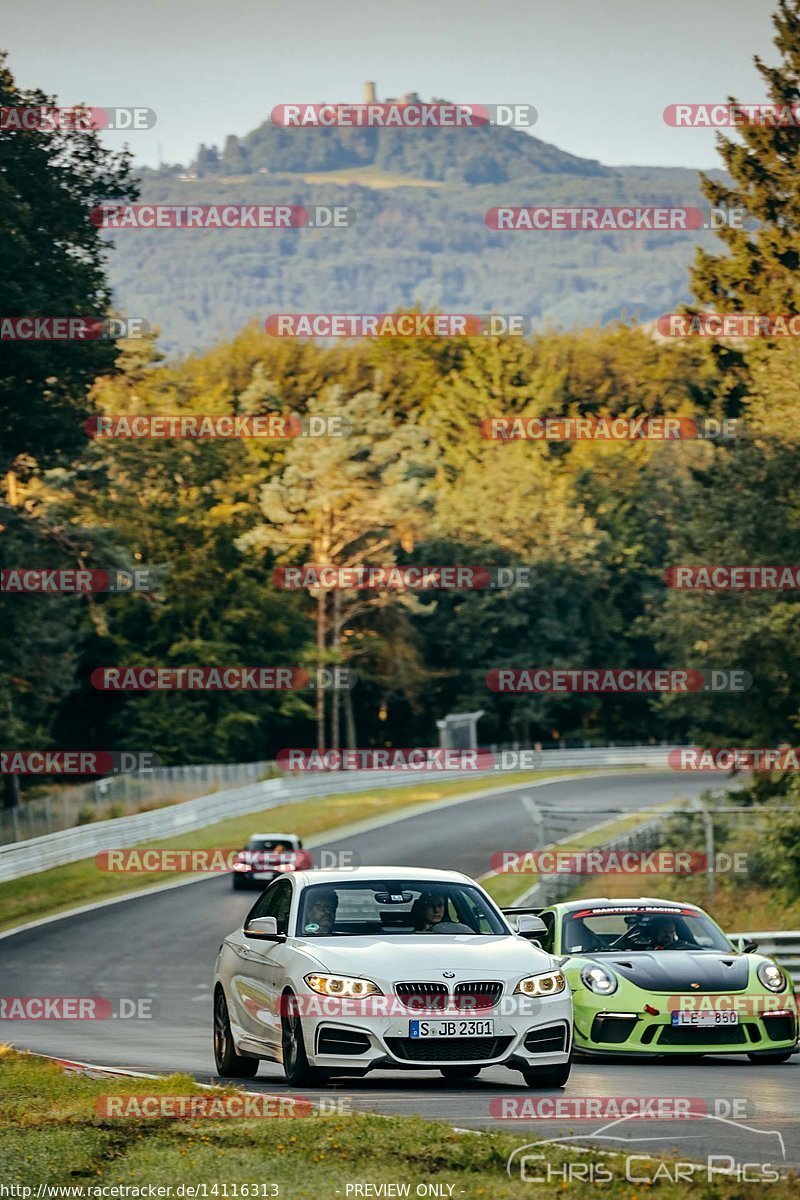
343 972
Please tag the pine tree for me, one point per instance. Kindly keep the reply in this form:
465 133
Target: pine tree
760 271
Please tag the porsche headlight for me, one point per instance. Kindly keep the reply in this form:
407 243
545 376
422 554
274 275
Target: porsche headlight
541 985
772 977
342 985
599 980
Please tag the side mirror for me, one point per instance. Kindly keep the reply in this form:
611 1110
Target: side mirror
264 928
741 944
530 927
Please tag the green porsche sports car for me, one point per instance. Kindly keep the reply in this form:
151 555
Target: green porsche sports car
659 977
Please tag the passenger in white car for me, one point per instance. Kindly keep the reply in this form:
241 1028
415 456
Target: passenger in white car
430 915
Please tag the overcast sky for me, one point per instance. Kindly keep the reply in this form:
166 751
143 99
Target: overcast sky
600 72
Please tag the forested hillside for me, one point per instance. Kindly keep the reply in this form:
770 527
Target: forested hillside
419 237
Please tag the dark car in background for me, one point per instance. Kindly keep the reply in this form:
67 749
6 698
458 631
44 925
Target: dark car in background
266 856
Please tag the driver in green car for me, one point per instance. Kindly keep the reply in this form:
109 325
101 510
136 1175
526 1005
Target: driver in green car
663 933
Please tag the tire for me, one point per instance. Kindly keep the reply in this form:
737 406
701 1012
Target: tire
238 882
230 1065
548 1077
781 1056
296 1067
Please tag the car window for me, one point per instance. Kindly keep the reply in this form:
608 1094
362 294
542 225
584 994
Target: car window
547 940
474 915
639 927
395 907
275 902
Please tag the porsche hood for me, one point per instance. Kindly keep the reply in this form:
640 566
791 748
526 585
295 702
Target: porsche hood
679 970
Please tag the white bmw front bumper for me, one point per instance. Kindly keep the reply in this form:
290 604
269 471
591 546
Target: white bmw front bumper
517 1031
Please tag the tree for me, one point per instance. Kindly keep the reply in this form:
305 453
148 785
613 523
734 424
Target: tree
344 501
760 271
53 264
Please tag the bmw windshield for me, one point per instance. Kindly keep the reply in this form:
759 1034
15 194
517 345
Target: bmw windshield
396 908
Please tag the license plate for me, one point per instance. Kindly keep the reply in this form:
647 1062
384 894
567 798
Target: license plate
704 1019
438 1029
263 874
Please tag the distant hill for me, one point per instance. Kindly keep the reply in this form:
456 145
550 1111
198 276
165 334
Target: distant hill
482 155
420 236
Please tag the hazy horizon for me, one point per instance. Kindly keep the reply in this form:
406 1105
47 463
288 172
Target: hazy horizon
595 74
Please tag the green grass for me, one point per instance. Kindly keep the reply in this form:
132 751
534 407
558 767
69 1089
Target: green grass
371 176
739 904
62 888
507 887
50 1134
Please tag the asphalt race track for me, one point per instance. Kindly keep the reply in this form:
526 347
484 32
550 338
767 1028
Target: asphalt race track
163 946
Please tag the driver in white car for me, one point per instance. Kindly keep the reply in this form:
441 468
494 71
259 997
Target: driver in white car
321 912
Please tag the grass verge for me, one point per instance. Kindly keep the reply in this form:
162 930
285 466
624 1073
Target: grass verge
51 1135
63 888
507 887
738 905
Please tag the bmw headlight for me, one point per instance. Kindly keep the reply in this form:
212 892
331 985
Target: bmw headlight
599 980
772 977
342 985
547 984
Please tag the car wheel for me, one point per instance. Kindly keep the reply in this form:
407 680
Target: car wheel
238 882
229 1064
460 1072
781 1057
548 1077
296 1067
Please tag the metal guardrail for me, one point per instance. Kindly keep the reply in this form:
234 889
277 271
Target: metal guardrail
63 806
550 889
784 947
85 841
